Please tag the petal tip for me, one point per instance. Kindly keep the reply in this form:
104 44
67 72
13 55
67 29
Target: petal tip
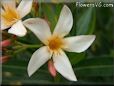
93 37
29 72
74 79
18 29
65 6
20 35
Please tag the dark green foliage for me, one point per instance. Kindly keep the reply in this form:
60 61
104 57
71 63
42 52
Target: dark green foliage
92 66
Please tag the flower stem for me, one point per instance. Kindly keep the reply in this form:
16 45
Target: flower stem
21 47
32 46
57 78
28 45
19 50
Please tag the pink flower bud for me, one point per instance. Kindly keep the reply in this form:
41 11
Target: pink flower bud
5 43
3 59
51 68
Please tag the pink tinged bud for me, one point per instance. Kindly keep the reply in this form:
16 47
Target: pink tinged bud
51 68
4 59
5 43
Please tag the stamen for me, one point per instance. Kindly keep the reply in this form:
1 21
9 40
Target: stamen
55 43
10 15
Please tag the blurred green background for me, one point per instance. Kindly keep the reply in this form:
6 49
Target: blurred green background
93 66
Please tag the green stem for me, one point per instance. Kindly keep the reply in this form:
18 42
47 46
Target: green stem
32 46
21 47
28 45
56 78
19 50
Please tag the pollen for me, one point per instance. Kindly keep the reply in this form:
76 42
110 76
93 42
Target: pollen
55 43
10 15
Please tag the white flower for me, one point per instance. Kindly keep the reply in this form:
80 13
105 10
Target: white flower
55 44
11 16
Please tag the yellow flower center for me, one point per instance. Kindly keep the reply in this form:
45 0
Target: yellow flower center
10 15
55 43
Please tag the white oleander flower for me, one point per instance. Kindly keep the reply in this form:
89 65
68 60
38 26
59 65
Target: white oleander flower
11 16
55 44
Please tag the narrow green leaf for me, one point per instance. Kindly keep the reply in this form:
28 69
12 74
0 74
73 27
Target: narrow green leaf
95 67
51 13
76 57
86 23
18 73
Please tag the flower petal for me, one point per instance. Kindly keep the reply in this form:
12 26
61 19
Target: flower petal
63 66
3 25
65 22
38 58
10 3
5 3
39 27
78 43
18 29
24 7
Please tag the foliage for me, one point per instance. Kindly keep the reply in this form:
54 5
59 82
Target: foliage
93 66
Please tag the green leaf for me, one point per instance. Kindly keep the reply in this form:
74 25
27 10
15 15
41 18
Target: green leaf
95 67
15 71
86 23
51 13
76 57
